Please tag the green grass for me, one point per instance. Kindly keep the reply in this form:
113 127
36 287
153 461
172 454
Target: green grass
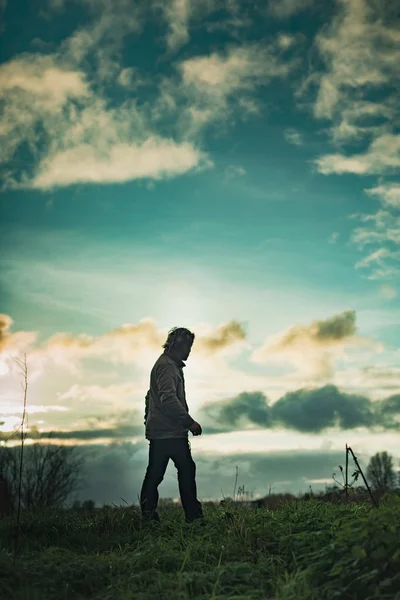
303 550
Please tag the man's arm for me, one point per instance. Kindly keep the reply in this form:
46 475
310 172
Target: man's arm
146 410
166 383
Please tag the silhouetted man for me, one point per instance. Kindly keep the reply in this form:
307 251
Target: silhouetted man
167 422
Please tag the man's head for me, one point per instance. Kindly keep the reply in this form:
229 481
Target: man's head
179 342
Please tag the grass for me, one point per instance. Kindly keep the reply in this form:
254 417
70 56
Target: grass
302 550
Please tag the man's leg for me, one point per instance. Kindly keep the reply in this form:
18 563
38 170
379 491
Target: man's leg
182 457
158 462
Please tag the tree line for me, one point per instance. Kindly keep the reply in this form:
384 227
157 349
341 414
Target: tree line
52 474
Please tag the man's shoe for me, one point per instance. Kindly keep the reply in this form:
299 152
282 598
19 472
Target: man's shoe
147 518
196 520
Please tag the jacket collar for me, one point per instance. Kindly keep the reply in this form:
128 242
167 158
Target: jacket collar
179 363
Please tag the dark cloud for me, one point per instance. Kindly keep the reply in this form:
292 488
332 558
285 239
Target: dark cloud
337 327
225 335
252 406
306 410
387 409
122 431
314 410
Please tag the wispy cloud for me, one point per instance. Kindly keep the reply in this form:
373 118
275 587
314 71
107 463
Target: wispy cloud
381 229
388 193
382 156
293 137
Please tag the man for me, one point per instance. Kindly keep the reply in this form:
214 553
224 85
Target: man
167 422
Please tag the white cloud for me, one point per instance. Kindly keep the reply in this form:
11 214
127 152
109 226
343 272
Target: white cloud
241 68
381 228
56 105
215 85
83 142
388 193
293 137
178 13
359 49
376 257
155 158
361 52
383 155
40 77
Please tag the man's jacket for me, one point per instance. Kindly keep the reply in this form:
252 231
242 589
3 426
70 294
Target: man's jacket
167 413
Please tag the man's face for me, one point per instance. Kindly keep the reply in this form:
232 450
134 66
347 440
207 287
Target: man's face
186 349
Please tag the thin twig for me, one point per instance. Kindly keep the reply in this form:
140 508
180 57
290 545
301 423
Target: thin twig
17 531
234 489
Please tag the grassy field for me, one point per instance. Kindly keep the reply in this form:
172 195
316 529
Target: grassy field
302 550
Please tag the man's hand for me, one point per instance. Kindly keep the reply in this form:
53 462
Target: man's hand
195 428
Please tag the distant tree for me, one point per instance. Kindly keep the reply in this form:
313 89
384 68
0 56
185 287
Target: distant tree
5 497
50 474
88 505
380 472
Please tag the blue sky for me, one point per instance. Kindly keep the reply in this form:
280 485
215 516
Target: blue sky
205 164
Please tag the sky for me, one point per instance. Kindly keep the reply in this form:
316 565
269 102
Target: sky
208 164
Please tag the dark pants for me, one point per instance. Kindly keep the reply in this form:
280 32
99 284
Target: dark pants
160 452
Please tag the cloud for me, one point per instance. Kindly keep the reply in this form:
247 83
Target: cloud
108 394
388 193
155 159
334 237
59 110
382 156
283 9
5 324
388 292
306 410
381 228
375 381
313 347
293 137
356 92
219 75
234 171
177 13
376 256
217 86
13 343
56 109
88 142
129 343
361 52
225 336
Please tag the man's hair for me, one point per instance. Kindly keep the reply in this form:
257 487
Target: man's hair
176 336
